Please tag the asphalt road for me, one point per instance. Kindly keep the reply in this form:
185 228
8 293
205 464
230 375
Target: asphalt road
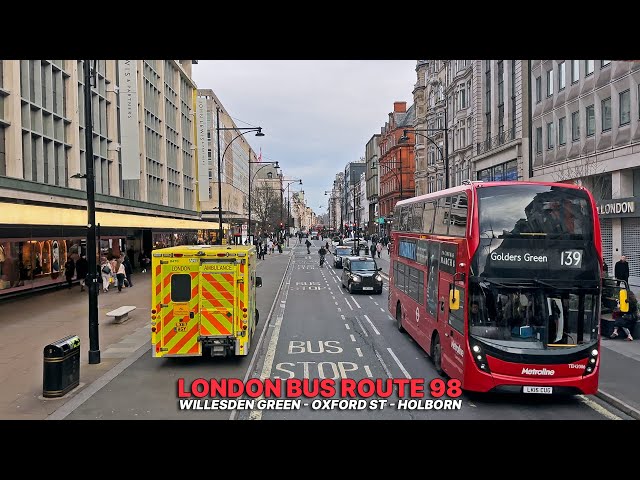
322 331
317 330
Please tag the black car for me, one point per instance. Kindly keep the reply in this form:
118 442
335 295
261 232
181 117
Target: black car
339 253
361 274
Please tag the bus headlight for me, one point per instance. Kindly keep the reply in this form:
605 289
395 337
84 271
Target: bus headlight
480 358
591 364
355 278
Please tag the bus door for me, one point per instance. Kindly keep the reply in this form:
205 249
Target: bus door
450 322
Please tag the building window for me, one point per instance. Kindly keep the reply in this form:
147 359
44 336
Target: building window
591 120
604 63
549 82
513 97
575 126
3 159
562 80
561 129
625 107
606 114
588 67
550 136
575 71
539 140
500 82
487 100
538 89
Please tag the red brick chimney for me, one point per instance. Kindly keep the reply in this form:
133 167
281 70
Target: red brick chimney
399 107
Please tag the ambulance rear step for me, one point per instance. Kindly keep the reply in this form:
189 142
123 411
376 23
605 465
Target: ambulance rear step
219 346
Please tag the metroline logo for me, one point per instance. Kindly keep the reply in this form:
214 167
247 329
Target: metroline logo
535 371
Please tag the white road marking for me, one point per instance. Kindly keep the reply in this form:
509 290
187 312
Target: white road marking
598 408
371 298
345 299
359 351
368 370
372 325
390 317
381 309
353 339
376 303
384 365
362 327
346 325
354 301
336 303
342 316
404 370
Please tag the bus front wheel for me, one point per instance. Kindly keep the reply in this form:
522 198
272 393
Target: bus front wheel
399 317
436 354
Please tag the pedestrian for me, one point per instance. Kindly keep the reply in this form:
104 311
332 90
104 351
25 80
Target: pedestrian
105 272
69 270
82 268
628 320
279 246
120 275
621 269
378 248
128 269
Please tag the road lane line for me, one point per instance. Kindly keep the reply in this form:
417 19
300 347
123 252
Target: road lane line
362 327
353 339
404 370
381 309
384 365
345 299
372 325
342 316
598 408
376 303
354 301
359 351
370 297
368 370
346 325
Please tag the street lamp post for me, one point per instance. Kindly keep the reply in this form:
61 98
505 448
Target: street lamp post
259 133
290 180
92 276
391 170
326 192
444 156
251 180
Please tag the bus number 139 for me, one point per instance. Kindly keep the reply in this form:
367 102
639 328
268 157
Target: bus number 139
571 258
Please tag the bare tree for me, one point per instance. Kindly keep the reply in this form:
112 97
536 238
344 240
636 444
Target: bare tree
265 201
589 173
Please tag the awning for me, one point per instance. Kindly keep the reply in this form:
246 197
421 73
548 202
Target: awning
17 214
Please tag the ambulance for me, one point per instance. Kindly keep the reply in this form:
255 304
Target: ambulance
203 300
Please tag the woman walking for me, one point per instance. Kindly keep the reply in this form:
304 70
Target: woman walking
121 273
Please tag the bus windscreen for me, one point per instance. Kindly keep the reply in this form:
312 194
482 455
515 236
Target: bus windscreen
534 210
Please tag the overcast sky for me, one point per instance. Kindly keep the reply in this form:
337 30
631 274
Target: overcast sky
317 115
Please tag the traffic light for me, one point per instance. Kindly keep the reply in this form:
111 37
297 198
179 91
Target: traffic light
281 226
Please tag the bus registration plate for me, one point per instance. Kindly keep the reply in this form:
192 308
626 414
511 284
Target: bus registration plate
547 390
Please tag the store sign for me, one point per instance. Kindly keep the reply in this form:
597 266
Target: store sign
203 148
129 143
623 207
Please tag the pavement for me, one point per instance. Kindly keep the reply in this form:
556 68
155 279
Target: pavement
29 323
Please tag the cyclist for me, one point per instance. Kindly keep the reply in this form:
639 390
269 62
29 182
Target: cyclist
322 253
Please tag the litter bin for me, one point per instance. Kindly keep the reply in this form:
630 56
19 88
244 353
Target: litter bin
61 369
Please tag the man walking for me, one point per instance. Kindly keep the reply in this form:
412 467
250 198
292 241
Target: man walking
621 269
82 268
128 269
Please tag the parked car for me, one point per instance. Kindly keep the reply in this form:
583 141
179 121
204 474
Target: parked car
361 274
339 253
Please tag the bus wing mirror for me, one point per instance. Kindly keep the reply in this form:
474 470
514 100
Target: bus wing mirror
454 298
624 301
258 281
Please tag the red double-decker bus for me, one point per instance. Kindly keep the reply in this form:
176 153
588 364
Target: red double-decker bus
500 283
